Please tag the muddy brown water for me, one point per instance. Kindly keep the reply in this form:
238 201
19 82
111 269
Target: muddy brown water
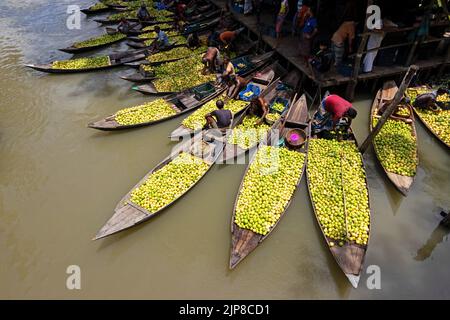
60 181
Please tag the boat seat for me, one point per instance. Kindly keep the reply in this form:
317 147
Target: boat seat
296 123
188 101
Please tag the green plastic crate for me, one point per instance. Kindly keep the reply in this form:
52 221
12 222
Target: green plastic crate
203 91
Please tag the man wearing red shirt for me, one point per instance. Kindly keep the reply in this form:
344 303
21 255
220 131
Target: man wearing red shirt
334 109
338 107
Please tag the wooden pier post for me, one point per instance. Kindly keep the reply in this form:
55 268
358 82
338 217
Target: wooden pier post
350 92
391 108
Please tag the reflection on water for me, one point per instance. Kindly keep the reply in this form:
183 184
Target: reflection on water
437 236
60 182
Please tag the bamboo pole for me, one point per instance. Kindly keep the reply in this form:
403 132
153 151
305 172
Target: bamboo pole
391 108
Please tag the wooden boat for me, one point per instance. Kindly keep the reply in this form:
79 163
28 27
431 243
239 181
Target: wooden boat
350 257
271 93
73 49
128 214
116 60
91 11
182 103
426 124
139 77
107 21
256 60
136 38
139 43
261 78
136 27
244 241
387 93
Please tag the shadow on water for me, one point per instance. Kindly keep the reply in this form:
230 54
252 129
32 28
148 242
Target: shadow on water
437 236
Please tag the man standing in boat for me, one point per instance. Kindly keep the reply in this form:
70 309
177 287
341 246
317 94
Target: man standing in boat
220 118
334 112
227 38
227 70
258 108
211 59
235 85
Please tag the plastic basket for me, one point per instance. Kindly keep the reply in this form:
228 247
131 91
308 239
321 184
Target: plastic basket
203 91
283 101
251 88
241 61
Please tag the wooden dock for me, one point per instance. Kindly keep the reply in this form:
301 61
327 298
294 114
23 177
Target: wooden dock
288 50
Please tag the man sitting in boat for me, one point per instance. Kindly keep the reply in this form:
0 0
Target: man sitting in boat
258 108
143 14
428 101
332 110
124 26
162 41
193 40
211 60
220 118
227 70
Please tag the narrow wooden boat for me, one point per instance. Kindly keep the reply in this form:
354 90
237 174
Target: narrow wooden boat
116 60
138 38
107 21
181 103
260 78
255 60
401 182
349 257
139 43
74 49
139 77
270 94
136 27
426 123
91 10
244 241
201 26
128 214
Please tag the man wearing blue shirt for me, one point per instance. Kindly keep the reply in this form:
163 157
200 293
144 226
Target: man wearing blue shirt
162 39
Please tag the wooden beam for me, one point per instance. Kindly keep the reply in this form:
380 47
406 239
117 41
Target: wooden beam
391 108
350 93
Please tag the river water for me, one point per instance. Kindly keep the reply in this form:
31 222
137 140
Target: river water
60 181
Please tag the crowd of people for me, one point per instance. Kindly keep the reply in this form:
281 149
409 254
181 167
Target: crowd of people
321 50
327 35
